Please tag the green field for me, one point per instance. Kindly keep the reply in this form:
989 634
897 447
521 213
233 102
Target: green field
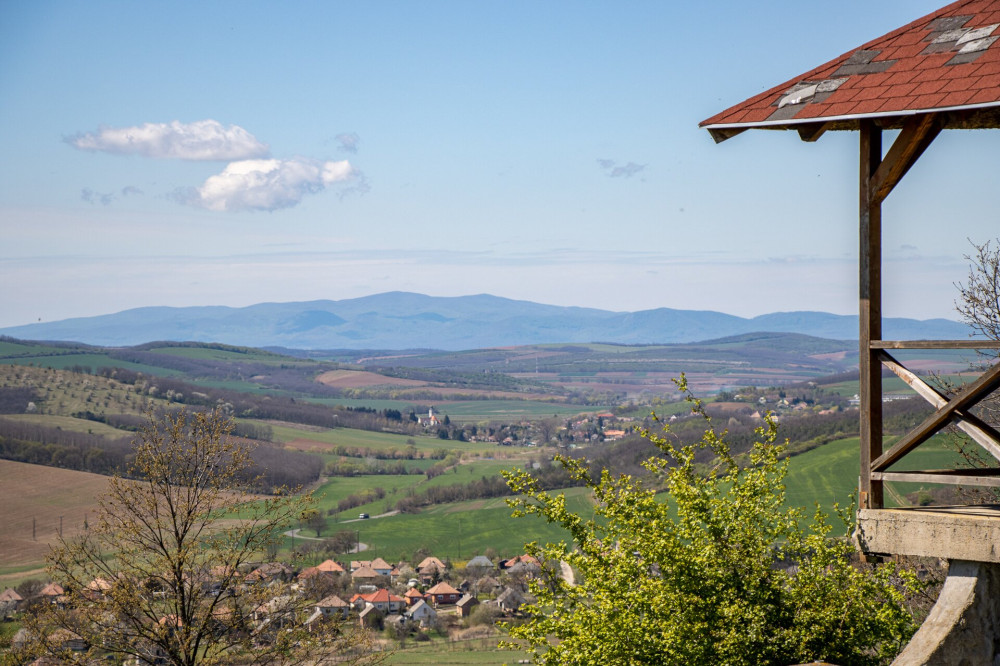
475 411
234 354
337 488
479 651
374 440
63 361
460 529
829 474
401 405
69 423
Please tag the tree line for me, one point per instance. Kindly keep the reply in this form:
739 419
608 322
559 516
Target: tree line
271 467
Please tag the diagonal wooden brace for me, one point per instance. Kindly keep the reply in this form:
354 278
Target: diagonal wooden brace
969 396
980 432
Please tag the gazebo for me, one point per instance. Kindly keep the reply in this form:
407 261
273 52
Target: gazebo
937 73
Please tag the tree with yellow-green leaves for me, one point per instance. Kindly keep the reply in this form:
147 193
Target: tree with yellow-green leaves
167 573
715 570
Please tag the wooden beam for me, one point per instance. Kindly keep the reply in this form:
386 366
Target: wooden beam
870 314
982 433
970 395
950 479
935 344
720 135
813 131
917 134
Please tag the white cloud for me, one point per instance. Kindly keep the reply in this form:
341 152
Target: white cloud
201 140
269 184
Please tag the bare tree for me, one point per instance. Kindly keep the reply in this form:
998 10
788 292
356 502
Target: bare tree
979 296
979 307
547 428
164 575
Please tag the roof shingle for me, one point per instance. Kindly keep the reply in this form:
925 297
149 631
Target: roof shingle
949 58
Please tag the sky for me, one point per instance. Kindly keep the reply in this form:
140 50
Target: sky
232 153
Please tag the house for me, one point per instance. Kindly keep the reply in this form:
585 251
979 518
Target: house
54 593
270 573
378 564
64 639
487 585
510 600
52 590
400 623
507 564
480 563
364 574
384 600
370 617
412 596
381 567
276 611
329 567
443 593
430 559
430 570
466 604
331 607
324 570
10 600
422 612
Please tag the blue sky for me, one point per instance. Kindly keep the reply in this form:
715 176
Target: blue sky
231 153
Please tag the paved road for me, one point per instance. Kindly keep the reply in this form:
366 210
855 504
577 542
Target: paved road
295 535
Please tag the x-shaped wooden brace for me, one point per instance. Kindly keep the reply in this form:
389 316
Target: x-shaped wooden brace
954 410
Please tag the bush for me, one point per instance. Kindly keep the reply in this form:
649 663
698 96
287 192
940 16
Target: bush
692 577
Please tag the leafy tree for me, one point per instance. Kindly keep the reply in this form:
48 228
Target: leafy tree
161 575
692 577
314 519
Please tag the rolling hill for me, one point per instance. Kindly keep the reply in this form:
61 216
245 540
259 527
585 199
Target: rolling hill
400 320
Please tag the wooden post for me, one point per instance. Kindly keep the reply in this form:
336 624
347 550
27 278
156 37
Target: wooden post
870 314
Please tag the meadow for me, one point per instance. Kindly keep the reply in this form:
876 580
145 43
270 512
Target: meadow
458 530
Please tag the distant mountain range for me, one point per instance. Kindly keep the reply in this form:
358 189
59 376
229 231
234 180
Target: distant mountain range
400 320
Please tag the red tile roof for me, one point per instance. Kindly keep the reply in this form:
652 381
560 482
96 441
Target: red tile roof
949 59
442 588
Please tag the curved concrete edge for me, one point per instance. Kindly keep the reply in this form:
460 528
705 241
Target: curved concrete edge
963 627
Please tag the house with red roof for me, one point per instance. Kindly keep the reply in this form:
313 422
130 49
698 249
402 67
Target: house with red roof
382 599
412 596
443 593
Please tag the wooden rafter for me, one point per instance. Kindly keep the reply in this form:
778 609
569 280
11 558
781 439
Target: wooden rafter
917 134
813 131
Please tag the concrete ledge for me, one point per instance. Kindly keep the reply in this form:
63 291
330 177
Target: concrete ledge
953 533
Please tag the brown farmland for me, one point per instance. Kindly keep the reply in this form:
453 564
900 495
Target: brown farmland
363 379
43 495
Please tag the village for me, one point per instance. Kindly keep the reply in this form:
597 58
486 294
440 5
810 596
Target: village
402 600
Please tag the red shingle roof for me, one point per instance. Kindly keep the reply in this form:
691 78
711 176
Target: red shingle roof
949 59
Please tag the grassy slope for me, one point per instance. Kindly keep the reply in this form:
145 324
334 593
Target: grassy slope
459 529
374 440
829 474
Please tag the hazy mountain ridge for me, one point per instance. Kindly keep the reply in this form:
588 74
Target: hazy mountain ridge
401 320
